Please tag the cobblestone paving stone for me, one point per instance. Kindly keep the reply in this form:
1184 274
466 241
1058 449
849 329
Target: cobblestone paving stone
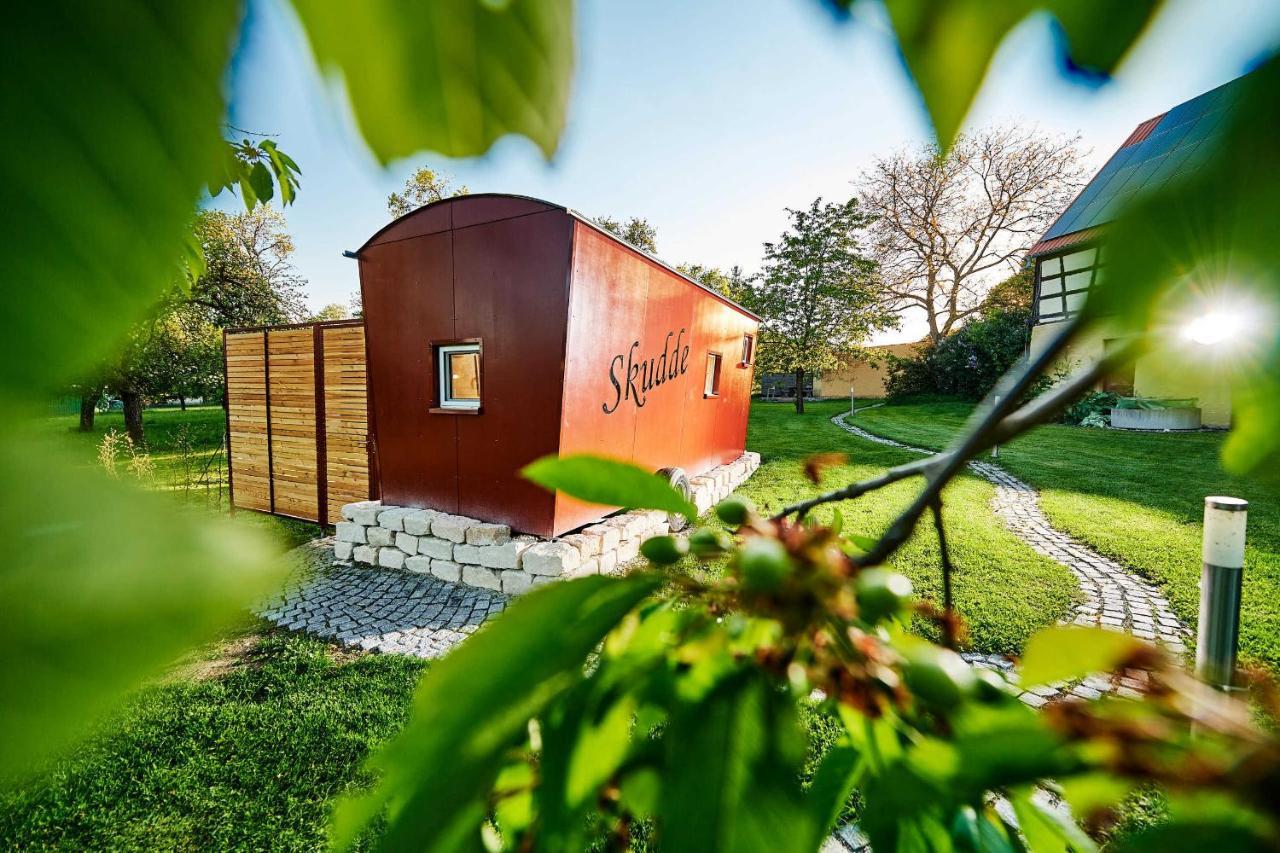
382 610
1115 598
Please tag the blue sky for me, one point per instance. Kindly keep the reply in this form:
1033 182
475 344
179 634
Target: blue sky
709 118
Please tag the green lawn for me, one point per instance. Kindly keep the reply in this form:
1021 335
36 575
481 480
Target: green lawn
249 743
1003 589
1137 497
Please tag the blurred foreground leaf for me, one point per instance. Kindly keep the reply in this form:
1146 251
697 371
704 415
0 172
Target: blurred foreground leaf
608 482
948 44
451 75
102 585
112 127
1068 652
476 703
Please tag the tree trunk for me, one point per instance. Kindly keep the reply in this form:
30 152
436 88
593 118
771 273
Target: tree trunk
133 417
182 402
88 408
799 392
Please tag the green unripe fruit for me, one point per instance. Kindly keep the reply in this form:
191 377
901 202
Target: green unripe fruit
764 563
709 543
939 677
664 550
735 511
881 594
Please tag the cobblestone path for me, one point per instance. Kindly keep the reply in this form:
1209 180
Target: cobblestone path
384 610
1114 596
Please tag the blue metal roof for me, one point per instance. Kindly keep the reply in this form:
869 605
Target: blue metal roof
1160 149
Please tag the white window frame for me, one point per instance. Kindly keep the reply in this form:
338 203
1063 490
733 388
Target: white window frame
444 377
711 380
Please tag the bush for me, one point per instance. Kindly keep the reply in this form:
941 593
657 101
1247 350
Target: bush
1095 404
966 363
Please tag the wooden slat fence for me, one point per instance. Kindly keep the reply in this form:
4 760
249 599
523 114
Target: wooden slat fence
298 419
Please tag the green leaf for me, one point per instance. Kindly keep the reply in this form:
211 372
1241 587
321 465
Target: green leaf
608 482
948 44
1047 829
733 764
600 750
835 781
103 586
260 180
475 703
1067 652
450 75
113 114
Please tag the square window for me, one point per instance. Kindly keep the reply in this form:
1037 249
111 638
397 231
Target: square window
748 349
711 386
458 375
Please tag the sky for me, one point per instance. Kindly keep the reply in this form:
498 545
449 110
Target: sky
710 118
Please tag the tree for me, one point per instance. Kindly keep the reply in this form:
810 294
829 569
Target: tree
1012 294
735 284
636 231
424 186
817 293
248 277
332 311
947 225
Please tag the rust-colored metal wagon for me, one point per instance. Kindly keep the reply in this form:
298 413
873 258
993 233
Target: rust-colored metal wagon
499 329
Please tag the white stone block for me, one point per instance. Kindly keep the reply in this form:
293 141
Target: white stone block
350 532
637 525
380 537
587 567
418 522
608 562
407 542
628 551
446 570
543 580
368 516
481 577
419 564
391 558
349 510
609 536
392 517
483 533
436 549
506 556
662 528
451 527
550 558
515 582
366 554
588 545
467 554
342 550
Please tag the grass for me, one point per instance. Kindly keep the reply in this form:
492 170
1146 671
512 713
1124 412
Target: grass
1136 497
246 749
1003 589
248 744
186 451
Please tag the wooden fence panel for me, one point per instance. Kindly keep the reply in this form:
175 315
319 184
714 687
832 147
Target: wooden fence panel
248 448
297 419
346 417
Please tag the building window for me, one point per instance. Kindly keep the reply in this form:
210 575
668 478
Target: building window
458 375
711 387
748 349
1064 281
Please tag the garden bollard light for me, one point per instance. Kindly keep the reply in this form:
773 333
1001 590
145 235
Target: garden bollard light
1220 581
995 448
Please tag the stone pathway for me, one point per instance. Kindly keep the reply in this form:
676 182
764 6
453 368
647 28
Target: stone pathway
1114 597
383 610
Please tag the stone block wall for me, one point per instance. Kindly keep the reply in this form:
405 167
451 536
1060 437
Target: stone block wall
481 554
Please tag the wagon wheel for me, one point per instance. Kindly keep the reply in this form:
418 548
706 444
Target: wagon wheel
679 481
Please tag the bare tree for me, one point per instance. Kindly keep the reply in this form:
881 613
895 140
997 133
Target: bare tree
947 228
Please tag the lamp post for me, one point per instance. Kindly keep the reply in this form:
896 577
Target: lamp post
1222 553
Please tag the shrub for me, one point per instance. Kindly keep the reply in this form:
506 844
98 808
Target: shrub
1094 403
966 363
